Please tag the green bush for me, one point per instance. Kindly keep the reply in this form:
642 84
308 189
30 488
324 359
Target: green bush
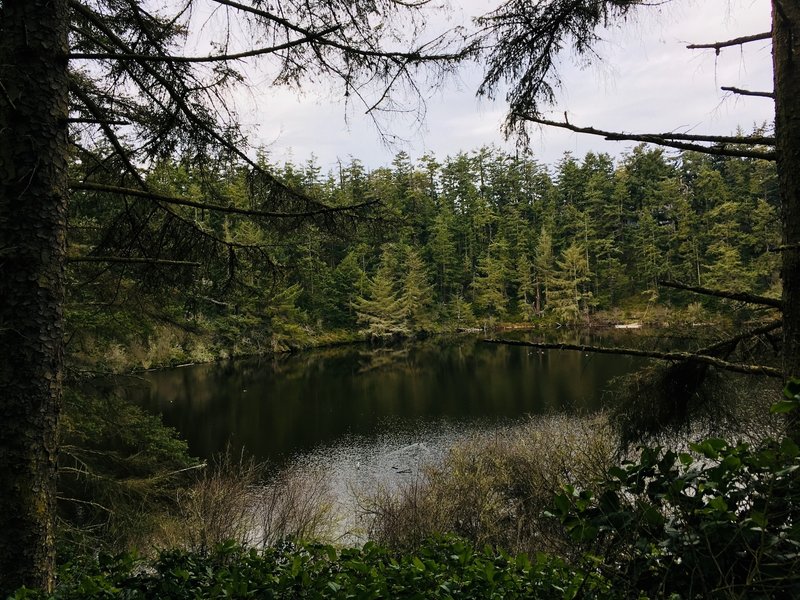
724 522
443 568
119 469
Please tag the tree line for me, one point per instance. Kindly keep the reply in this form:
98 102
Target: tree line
469 240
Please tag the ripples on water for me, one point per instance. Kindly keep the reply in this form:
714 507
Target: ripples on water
355 467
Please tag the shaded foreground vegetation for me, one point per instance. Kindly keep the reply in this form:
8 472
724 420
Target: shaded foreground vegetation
714 519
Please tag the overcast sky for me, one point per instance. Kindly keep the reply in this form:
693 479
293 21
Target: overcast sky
648 82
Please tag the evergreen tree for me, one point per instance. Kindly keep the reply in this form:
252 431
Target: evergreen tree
526 287
416 298
489 286
685 248
569 296
543 264
460 312
442 249
349 283
381 312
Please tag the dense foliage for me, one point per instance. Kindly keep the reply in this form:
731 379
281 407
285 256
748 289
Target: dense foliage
444 568
722 521
473 240
119 472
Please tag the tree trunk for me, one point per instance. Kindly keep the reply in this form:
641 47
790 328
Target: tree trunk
33 198
786 59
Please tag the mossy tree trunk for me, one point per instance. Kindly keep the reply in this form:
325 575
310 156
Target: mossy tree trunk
786 58
33 198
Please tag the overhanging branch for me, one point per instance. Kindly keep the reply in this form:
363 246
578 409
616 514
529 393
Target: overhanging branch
670 356
179 99
674 140
784 248
746 335
416 55
738 296
132 260
201 59
717 46
95 121
742 92
98 187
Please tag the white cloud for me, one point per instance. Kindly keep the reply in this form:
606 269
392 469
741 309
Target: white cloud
648 82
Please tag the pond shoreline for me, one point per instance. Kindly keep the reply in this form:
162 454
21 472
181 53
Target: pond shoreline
596 323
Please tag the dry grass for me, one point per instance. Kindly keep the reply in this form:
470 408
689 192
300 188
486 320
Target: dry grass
235 499
493 489
298 504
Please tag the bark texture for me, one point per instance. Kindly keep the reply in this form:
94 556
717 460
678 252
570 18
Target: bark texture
33 198
786 59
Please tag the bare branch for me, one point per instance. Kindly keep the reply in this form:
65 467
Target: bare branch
200 59
746 335
94 121
132 260
671 356
416 55
742 92
717 46
181 102
85 502
97 187
670 140
784 248
738 296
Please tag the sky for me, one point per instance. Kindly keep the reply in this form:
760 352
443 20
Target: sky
647 82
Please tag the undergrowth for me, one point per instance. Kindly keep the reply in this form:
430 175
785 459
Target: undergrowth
493 488
546 512
443 568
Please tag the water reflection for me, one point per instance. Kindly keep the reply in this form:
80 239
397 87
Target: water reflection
284 406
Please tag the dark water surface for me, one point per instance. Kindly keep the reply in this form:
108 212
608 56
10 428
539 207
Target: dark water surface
291 405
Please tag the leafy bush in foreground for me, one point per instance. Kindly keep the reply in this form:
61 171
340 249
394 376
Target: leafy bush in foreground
722 523
445 568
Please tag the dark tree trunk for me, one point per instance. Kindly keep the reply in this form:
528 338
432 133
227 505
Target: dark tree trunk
33 197
786 58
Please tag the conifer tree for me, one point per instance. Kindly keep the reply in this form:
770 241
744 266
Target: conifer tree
416 298
381 312
526 288
569 296
543 264
489 287
442 249
349 282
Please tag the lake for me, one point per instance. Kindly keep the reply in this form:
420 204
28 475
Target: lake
376 400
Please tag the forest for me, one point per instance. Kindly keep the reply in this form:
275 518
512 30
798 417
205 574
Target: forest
470 241
140 227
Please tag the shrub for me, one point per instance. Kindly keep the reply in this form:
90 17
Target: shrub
237 499
493 489
119 468
724 522
443 568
